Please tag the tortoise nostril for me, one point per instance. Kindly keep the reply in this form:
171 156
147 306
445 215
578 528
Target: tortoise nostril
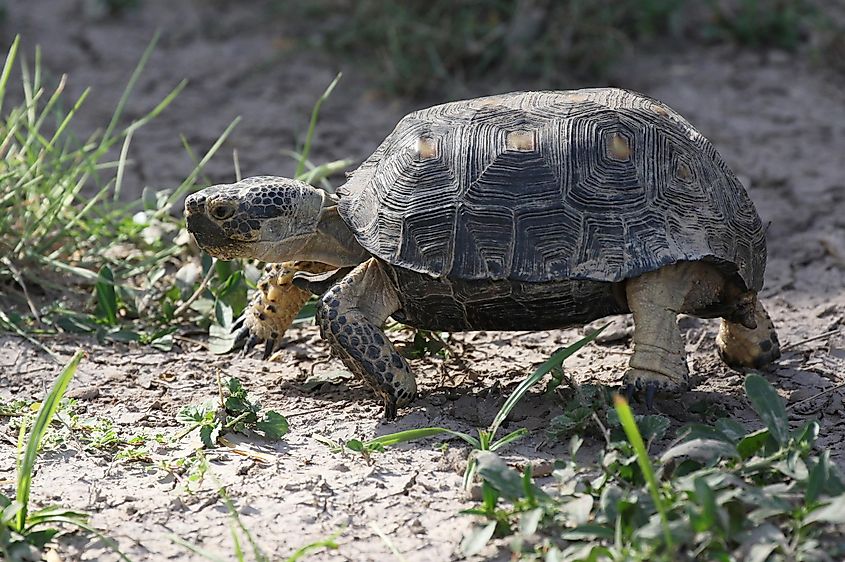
195 203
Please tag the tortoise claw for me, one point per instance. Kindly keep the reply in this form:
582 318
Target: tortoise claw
269 346
240 338
630 391
238 324
390 410
250 344
650 392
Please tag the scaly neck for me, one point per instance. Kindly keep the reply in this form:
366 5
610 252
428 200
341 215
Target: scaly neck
333 243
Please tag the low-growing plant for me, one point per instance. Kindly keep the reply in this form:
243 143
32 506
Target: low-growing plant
234 411
761 23
26 532
720 493
486 439
64 224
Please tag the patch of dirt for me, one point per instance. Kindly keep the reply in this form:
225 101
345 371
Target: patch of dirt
777 120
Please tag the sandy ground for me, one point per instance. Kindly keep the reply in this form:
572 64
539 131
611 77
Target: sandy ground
778 119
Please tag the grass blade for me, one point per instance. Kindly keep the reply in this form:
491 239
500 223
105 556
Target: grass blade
7 67
411 434
626 418
300 167
45 415
555 360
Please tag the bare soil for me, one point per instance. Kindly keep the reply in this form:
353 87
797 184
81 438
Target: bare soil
777 118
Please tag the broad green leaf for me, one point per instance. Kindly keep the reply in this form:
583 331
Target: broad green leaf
832 512
731 429
530 520
707 502
582 532
577 510
652 427
704 450
818 478
769 406
221 340
209 435
503 478
477 539
749 445
274 425
355 445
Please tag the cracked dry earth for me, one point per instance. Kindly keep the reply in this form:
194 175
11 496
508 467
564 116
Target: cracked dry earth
778 121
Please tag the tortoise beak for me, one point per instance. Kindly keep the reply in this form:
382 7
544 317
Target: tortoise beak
210 237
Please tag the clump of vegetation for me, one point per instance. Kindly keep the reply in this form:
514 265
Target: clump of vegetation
423 47
235 411
67 236
25 533
719 493
486 440
759 23
64 225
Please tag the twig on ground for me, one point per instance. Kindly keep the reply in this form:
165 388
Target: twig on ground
813 397
791 345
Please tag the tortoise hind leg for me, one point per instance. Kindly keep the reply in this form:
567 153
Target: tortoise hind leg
741 347
659 360
350 316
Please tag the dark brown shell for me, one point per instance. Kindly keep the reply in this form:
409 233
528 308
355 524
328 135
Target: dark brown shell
600 184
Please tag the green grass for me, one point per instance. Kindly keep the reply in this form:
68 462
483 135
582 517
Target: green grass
68 238
486 440
719 492
25 532
63 216
425 48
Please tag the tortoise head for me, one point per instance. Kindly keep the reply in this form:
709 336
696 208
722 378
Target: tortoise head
262 217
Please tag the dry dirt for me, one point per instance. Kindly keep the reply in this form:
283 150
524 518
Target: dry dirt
778 119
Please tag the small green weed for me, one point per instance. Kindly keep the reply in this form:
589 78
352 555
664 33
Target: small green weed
719 493
235 411
486 440
24 532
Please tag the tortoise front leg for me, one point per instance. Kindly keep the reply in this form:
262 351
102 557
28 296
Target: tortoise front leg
274 306
350 316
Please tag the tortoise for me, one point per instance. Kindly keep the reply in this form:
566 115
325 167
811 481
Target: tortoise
520 211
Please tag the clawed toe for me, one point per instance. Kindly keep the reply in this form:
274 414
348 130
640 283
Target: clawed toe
648 386
390 410
269 346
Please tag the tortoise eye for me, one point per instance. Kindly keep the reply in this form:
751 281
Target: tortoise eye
222 210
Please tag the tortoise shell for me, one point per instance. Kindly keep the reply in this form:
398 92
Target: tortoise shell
538 187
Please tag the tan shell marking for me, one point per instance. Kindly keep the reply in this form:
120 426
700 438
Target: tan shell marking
683 171
427 148
522 141
618 147
660 110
